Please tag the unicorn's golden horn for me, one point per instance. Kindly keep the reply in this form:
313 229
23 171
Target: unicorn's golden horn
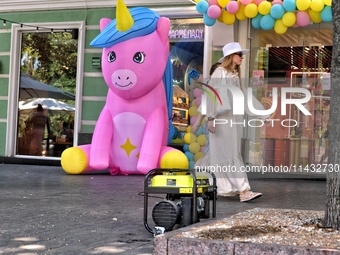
123 17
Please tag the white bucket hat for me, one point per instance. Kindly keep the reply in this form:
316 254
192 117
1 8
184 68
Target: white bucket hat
231 48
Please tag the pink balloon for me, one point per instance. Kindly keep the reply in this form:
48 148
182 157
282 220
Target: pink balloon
212 2
232 7
202 149
198 101
214 11
198 92
246 2
193 120
277 2
257 2
302 19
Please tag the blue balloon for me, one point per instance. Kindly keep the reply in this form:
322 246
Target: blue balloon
289 5
267 22
192 164
199 131
186 147
189 155
256 21
208 21
277 11
326 14
202 6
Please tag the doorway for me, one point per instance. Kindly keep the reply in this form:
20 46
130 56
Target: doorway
46 74
47 79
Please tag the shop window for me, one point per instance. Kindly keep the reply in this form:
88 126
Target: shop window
186 53
304 139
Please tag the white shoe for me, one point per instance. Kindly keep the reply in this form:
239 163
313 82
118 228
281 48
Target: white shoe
249 195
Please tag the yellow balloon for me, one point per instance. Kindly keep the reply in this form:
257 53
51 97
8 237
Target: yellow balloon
189 138
315 17
202 140
174 159
328 2
193 103
220 18
240 13
264 7
228 18
193 111
251 10
74 160
279 28
194 147
303 5
223 3
203 122
317 5
288 19
198 155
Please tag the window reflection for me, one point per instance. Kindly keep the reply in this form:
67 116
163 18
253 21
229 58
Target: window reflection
300 59
47 80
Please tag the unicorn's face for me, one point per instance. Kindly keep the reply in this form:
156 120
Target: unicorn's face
134 67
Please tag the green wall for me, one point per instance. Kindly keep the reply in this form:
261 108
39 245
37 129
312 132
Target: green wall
92 86
93 83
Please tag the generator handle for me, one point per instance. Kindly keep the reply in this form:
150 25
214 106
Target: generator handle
194 195
214 194
146 196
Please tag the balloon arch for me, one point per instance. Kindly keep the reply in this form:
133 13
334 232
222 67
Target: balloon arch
277 14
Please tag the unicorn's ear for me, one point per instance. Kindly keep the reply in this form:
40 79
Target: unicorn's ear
163 27
103 23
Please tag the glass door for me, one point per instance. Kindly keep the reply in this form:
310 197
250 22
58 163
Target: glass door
47 86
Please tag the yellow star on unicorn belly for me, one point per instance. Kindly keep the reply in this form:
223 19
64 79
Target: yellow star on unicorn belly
128 147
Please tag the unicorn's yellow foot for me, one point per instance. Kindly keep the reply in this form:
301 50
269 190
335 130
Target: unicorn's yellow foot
73 160
174 159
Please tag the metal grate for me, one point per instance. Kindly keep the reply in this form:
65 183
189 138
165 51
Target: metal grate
300 58
165 214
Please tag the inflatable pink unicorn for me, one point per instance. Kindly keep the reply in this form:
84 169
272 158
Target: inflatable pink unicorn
131 134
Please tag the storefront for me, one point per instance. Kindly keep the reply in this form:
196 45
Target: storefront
298 58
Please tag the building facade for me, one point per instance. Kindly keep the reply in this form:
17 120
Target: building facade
30 17
300 57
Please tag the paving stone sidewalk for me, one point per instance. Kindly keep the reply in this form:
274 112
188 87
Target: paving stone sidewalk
46 211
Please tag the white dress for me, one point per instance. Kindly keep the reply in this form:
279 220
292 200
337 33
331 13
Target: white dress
224 154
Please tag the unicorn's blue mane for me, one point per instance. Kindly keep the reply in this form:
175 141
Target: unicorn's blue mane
145 22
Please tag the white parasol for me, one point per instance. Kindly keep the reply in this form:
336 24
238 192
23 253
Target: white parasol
49 104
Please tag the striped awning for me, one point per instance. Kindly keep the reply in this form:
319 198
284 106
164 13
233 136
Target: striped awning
178 92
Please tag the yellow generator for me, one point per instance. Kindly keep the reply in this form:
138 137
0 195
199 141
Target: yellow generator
188 196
